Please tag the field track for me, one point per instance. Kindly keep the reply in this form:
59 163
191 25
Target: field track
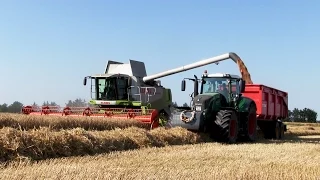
139 156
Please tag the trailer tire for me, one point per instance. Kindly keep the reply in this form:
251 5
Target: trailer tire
226 127
276 133
252 123
281 130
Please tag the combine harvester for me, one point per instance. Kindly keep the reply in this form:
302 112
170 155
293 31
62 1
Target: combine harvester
228 107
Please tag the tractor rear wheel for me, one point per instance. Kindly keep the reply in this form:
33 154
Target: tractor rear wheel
252 123
226 126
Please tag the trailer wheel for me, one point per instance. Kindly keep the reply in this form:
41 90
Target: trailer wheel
281 130
276 134
226 127
252 123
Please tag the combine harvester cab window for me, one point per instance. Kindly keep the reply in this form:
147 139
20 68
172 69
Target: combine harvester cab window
112 88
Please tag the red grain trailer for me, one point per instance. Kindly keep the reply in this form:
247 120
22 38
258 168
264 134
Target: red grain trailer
272 108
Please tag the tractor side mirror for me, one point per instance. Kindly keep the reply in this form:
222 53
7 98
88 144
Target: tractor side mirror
242 85
85 81
183 85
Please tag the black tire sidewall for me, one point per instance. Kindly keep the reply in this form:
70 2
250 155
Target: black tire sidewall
252 111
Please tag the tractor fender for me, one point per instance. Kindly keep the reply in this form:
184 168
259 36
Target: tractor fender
215 104
244 104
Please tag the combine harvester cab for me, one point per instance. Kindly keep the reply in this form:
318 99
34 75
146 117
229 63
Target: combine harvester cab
119 93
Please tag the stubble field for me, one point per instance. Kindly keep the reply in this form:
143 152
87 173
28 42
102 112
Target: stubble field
90 148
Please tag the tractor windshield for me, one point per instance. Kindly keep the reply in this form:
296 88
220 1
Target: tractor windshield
112 88
220 85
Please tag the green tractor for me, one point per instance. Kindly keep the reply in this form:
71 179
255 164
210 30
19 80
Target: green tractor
218 109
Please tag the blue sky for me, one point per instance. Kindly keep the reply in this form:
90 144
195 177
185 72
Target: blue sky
47 47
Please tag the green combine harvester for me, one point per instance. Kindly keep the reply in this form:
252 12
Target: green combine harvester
228 107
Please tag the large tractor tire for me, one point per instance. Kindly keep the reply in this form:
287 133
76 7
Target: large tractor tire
252 123
226 127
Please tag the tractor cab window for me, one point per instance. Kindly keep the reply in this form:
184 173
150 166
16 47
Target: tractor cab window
219 85
114 88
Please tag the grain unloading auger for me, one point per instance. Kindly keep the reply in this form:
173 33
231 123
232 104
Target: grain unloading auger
124 91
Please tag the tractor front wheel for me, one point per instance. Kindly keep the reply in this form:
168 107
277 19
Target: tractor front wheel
226 127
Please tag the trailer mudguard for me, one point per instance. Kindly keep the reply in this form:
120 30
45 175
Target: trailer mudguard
244 104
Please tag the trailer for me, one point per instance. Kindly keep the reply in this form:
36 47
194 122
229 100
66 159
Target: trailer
272 108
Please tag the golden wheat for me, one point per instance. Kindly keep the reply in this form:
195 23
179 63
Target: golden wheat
266 161
295 157
43 143
303 129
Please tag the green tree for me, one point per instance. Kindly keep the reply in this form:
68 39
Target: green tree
4 107
15 107
174 104
310 115
49 104
303 115
296 114
185 105
77 103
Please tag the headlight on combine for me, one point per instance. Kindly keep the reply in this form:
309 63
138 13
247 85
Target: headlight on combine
198 108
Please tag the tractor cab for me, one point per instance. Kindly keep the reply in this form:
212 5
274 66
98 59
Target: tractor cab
229 86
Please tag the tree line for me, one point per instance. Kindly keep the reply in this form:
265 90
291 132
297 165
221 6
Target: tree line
16 106
302 115
295 115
